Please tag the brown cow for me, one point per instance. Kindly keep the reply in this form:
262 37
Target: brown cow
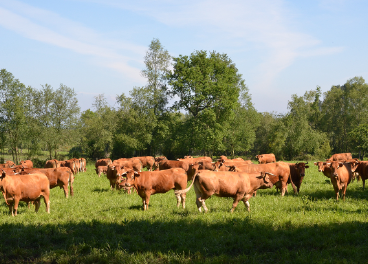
340 157
70 164
113 175
132 163
170 164
205 165
148 183
101 169
266 158
147 162
341 175
8 164
323 168
225 165
361 167
83 163
297 173
25 188
103 162
280 173
26 163
52 164
238 185
62 177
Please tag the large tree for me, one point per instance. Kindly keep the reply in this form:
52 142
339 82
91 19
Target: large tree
12 111
207 86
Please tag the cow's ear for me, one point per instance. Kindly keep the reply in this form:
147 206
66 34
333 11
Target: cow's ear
266 178
307 167
315 163
341 164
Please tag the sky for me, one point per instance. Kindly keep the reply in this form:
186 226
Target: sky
281 47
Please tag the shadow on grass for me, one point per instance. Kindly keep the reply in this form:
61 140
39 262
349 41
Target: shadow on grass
101 190
184 241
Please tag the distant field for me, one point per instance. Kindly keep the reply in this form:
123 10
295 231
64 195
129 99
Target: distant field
102 226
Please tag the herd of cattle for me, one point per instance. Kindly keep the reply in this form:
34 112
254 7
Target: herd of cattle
236 178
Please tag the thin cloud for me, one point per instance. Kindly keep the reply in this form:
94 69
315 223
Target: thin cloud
268 24
47 27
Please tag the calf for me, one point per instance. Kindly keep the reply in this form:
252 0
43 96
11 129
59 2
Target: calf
101 169
237 185
148 183
322 167
26 188
26 163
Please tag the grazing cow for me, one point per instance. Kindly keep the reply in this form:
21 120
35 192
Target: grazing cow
25 188
101 169
237 185
148 183
62 177
226 165
113 175
103 162
341 175
280 173
266 158
132 163
297 173
54 163
340 157
26 163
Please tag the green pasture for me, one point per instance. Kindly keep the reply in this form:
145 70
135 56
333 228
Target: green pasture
102 226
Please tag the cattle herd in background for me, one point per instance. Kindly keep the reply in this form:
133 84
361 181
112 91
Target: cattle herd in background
236 178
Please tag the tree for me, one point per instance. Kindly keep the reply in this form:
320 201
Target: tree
208 90
359 137
12 110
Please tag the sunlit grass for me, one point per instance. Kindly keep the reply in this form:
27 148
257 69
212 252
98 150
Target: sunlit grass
99 225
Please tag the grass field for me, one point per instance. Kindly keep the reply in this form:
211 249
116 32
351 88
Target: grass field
102 226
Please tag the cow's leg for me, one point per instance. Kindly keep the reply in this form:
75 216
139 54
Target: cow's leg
11 208
363 180
71 189
37 204
236 201
16 203
344 191
183 197
46 199
246 202
178 200
198 197
203 204
65 187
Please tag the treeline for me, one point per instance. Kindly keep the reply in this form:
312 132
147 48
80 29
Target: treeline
197 105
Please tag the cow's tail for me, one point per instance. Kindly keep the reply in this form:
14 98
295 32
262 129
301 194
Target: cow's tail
180 192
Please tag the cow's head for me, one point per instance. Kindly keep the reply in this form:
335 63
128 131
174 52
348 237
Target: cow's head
217 165
130 176
321 165
301 166
334 166
267 183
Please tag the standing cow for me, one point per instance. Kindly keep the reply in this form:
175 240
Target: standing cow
341 176
340 157
238 185
266 158
25 188
148 183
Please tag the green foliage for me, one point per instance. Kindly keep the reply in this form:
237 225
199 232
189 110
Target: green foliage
208 89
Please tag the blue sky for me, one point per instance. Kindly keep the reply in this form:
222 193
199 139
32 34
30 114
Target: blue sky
97 46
